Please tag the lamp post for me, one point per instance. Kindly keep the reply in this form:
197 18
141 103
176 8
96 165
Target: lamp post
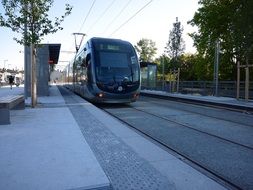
77 46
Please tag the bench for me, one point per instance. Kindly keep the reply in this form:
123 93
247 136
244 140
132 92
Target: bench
7 103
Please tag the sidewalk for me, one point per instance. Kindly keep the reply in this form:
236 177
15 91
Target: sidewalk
43 148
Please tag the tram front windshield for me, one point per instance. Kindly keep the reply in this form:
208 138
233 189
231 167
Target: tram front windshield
115 63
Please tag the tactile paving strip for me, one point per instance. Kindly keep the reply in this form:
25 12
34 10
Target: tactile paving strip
124 168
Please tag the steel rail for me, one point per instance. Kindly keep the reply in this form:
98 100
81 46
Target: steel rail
212 174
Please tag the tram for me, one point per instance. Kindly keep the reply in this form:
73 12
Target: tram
105 71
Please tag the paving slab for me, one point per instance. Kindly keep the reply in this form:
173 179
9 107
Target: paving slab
43 148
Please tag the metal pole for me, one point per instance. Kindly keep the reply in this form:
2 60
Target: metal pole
170 81
68 72
178 75
163 74
247 80
77 46
216 66
32 76
148 78
238 81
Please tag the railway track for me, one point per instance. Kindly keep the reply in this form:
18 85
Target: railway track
207 151
214 108
190 127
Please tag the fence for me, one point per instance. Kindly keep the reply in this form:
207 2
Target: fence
225 88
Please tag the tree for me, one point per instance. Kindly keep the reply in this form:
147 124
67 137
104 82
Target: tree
175 48
146 50
230 22
194 67
175 45
30 18
163 64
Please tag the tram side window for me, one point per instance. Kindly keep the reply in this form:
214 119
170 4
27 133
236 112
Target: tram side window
82 70
83 75
88 69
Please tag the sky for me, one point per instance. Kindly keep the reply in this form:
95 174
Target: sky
129 20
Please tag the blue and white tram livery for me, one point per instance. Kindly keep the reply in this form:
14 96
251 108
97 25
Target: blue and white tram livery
106 71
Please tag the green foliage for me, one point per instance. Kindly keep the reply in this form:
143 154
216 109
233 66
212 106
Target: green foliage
229 21
169 64
163 59
192 67
195 67
146 50
176 45
30 18
199 67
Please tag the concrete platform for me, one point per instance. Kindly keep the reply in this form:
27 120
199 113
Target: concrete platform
43 148
212 100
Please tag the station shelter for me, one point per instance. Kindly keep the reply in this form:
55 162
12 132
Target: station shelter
148 75
46 55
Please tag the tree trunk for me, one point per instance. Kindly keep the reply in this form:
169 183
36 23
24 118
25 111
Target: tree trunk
33 78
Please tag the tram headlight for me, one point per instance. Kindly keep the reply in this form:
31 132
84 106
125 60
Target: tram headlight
136 96
100 95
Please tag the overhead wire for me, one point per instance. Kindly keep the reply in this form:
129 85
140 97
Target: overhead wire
101 16
131 17
115 18
87 15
